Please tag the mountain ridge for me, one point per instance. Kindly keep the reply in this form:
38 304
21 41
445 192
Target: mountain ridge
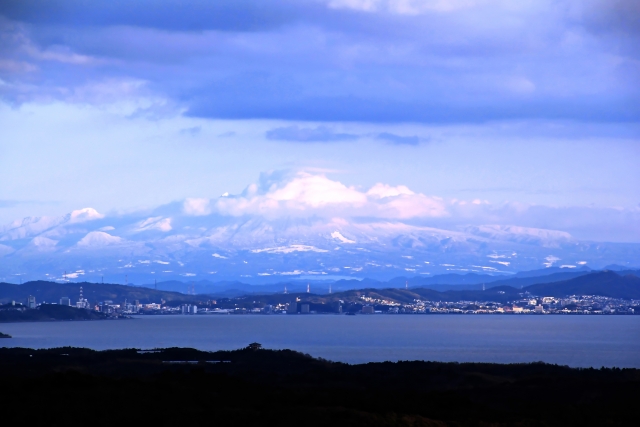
603 283
167 244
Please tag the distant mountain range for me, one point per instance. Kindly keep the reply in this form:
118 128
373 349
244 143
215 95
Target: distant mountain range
442 282
625 285
166 244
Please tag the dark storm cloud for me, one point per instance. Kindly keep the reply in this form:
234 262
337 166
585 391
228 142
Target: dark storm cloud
176 15
400 140
301 134
304 60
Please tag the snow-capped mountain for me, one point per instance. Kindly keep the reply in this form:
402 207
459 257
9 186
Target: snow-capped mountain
168 243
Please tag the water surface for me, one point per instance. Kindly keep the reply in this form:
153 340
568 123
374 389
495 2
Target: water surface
567 340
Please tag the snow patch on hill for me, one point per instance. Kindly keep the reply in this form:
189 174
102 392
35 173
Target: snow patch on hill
289 249
525 235
155 223
337 235
98 239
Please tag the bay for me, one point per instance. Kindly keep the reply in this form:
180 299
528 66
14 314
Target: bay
578 341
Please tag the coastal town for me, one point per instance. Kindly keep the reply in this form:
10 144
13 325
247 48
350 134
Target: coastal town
368 303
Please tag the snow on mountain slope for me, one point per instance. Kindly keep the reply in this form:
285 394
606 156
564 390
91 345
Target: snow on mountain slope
31 227
511 233
249 247
28 227
338 236
99 239
289 249
5 250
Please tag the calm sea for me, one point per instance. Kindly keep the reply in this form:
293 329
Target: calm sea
568 340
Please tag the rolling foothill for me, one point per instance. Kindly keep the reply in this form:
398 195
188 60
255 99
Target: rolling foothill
592 293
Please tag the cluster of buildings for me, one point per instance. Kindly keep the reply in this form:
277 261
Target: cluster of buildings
367 304
107 306
583 304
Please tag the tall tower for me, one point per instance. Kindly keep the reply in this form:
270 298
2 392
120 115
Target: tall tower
285 289
406 284
329 287
82 303
308 288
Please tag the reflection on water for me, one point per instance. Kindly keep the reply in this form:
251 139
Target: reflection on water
567 340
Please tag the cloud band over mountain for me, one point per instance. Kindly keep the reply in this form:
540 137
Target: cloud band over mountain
296 223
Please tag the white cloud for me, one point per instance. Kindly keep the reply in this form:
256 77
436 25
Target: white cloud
86 214
75 275
196 207
303 193
408 7
384 190
551 259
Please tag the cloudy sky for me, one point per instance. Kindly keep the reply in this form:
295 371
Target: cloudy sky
530 108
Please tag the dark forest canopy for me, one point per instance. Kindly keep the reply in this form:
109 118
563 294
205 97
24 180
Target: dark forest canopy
254 386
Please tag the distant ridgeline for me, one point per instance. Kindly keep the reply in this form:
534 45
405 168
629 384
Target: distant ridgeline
442 282
52 292
46 312
621 284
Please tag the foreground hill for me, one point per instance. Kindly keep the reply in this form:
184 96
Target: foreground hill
52 292
287 388
48 312
438 282
608 284
602 283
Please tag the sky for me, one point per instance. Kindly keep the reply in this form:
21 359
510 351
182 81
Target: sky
128 105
